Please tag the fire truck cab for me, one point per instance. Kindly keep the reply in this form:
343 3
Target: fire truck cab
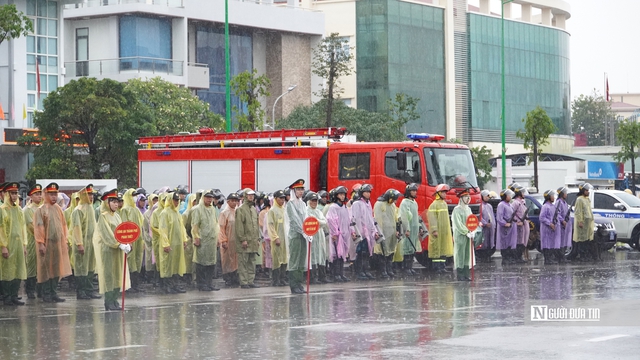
271 160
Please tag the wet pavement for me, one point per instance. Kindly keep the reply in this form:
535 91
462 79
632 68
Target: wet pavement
427 316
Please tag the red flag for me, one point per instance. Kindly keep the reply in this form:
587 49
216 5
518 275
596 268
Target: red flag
38 78
607 89
1 112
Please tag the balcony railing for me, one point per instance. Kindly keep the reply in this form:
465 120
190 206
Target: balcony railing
136 64
94 3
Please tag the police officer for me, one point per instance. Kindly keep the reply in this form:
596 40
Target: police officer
386 215
12 244
440 236
549 228
583 224
506 237
247 233
366 230
340 232
296 213
205 230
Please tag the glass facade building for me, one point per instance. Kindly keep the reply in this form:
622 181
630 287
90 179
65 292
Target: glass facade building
536 74
143 40
400 49
210 51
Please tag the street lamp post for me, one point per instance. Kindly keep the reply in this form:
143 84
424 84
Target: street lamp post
227 68
273 111
504 146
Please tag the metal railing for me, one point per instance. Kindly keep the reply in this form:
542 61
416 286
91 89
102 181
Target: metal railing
94 3
136 64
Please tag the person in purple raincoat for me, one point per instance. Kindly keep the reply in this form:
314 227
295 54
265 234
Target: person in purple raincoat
505 239
566 224
549 228
340 231
488 221
365 226
520 210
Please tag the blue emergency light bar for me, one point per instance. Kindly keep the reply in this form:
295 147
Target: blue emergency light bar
425 137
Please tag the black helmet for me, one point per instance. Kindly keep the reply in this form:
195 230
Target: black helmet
391 194
504 193
240 194
182 189
233 196
340 190
548 195
365 188
324 196
409 188
217 193
311 196
584 187
279 194
140 191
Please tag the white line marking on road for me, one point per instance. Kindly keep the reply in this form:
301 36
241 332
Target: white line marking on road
468 307
610 337
56 315
249 300
158 307
585 294
207 303
313 326
4 319
111 348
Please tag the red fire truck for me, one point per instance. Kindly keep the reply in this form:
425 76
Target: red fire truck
271 160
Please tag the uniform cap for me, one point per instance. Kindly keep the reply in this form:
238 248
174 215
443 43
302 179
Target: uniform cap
311 196
248 191
53 187
297 184
36 188
209 193
233 196
12 186
111 194
279 194
462 193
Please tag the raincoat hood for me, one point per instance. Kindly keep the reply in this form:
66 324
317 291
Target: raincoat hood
190 199
128 198
84 196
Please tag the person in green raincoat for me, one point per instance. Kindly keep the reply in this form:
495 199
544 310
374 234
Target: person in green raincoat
320 244
410 227
130 212
205 230
583 224
13 241
171 259
191 201
275 228
73 202
247 239
296 212
35 200
440 237
385 212
462 237
109 252
83 224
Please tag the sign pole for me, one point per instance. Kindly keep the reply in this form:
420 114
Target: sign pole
472 225
124 278
310 227
472 253
308 266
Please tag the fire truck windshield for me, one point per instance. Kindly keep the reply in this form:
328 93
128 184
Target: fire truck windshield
450 166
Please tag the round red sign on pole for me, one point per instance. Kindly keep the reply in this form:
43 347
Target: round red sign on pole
127 232
472 222
310 226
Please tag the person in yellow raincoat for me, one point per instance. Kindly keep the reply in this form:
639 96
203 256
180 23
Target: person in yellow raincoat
151 275
35 200
583 224
171 258
205 230
13 241
275 228
191 201
228 254
50 230
440 237
157 236
73 202
109 252
130 212
385 212
408 213
83 224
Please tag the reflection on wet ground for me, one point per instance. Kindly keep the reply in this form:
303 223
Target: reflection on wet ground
416 317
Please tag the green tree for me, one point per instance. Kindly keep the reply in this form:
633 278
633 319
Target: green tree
537 128
249 87
368 126
331 60
588 115
629 140
13 23
89 127
481 156
170 108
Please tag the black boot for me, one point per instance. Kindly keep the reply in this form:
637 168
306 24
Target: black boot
519 252
561 258
365 266
335 272
275 277
407 265
341 269
359 266
388 263
283 275
382 265
460 276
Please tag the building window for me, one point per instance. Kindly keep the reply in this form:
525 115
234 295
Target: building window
142 40
40 44
347 102
82 52
354 166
